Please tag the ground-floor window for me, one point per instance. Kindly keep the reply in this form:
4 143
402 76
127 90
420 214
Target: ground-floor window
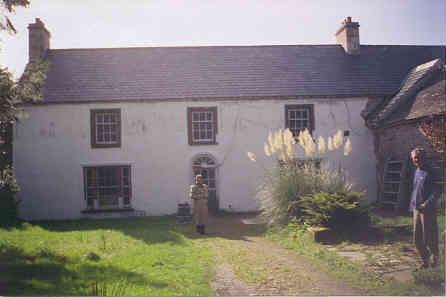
107 186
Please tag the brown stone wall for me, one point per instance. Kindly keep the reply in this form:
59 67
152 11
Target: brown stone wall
397 142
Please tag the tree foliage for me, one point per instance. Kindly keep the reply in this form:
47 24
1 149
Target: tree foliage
6 8
13 95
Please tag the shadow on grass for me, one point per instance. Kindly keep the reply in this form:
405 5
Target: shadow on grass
148 229
162 229
47 273
228 226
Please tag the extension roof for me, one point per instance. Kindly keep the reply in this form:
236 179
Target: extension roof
422 93
172 73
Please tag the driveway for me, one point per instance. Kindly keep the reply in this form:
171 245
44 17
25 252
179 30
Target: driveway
247 264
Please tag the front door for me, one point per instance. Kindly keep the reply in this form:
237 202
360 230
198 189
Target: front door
206 167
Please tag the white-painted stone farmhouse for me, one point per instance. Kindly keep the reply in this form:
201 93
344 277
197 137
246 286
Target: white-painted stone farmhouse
121 131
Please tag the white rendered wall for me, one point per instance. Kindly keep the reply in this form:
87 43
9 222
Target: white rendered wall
52 146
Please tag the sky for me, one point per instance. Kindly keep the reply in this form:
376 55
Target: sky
128 23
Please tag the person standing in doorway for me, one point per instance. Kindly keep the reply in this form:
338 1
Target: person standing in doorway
423 206
199 194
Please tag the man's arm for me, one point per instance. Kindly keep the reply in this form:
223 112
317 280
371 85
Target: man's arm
192 192
432 189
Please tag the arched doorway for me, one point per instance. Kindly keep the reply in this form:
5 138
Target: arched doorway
206 165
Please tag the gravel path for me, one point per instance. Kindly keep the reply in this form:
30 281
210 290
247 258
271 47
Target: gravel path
247 264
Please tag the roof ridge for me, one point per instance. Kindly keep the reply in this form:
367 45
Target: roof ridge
234 46
192 46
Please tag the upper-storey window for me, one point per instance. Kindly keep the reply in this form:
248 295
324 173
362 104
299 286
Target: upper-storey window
299 117
202 125
105 128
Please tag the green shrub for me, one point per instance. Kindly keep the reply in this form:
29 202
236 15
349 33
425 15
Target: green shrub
284 188
8 203
341 210
293 177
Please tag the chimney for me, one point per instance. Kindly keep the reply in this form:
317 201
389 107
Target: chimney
348 36
39 40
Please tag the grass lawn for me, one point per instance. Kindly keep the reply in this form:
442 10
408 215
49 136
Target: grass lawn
139 256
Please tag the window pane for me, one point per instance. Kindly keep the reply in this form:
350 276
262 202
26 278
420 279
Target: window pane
209 116
202 116
106 137
196 134
114 128
195 116
202 134
99 118
203 126
209 134
100 129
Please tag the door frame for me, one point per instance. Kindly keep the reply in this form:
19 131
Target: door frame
195 158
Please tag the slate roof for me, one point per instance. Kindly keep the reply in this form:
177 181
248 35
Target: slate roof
421 94
431 100
162 73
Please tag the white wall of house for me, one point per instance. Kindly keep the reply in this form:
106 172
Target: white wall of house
53 145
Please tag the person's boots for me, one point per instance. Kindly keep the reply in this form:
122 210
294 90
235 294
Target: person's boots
202 229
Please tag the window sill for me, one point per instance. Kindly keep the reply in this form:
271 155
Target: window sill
99 146
104 210
203 143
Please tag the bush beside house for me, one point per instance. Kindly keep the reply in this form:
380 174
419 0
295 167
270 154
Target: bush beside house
309 191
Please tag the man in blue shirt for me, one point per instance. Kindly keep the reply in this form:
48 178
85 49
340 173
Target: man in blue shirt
422 204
